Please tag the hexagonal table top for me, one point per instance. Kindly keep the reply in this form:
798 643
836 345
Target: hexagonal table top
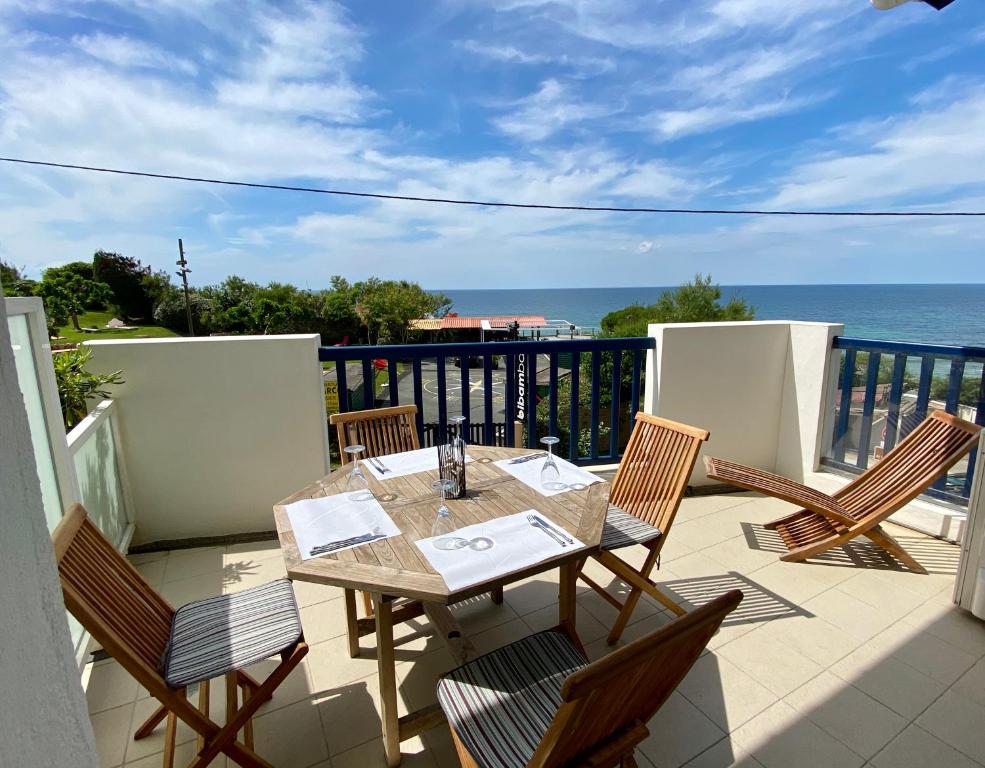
396 567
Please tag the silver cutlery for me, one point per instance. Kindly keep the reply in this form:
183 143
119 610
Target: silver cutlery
558 531
531 457
379 465
334 546
536 522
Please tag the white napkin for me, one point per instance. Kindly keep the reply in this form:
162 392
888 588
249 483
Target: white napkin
406 463
528 472
516 545
335 518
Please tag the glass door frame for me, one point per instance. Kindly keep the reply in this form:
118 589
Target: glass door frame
32 308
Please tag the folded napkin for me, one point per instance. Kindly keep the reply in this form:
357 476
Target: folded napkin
405 463
528 472
338 519
516 544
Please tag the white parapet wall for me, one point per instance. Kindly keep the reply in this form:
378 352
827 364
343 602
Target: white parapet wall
759 387
216 430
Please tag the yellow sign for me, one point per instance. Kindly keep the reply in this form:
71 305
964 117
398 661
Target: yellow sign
331 397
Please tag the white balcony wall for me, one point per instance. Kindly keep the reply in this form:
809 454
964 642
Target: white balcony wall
760 388
216 430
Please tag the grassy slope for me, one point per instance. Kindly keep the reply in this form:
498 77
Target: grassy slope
99 320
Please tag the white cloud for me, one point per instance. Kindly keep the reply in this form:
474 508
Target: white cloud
645 246
917 157
549 110
123 51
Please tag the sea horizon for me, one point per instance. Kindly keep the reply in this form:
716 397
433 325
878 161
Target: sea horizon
940 313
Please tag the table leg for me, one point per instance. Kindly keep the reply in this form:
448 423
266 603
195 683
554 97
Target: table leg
351 622
383 610
566 605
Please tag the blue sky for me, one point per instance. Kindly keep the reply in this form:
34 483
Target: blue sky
712 103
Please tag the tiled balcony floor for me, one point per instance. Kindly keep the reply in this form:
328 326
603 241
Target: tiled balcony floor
845 662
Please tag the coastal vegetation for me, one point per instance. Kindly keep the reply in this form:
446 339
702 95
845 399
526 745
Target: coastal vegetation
88 294
699 300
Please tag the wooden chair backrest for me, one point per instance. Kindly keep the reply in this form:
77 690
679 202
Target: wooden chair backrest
919 459
381 430
653 474
620 692
110 598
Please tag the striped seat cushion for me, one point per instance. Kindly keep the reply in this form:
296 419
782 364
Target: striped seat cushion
221 634
501 704
622 529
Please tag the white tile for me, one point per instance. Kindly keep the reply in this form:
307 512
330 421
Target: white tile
888 680
589 628
531 594
414 754
774 664
111 729
183 564
323 621
858 721
329 665
291 737
724 754
971 685
958 721
678 732
184 591
109 686
351 716
723 692
254 550
781 737
948 622
854 616
312 594
915 748
813 637
924 652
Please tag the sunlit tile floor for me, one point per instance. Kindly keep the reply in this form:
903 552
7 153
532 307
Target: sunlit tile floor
846 661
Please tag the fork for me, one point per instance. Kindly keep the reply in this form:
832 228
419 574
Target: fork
379 464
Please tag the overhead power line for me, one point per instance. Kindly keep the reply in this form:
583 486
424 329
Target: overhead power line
484 203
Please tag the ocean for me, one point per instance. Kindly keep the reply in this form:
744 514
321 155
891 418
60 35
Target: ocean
940 314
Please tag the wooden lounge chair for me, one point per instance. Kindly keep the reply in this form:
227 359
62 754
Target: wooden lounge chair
167 650
646 492
538 703
380 430
900 476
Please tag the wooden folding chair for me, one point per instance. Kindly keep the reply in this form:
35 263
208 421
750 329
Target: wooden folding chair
380 430
167 650
646 492
824 521
538 703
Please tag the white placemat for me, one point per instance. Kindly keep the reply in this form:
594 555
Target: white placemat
316 522
516 544
405 463
528 472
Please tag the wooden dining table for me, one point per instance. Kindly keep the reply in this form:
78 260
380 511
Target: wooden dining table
404 585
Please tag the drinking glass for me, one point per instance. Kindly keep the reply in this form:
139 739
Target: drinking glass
550 475
357 483
457 447
443 524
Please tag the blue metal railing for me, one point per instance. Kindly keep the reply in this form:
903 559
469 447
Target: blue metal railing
401 362
886 388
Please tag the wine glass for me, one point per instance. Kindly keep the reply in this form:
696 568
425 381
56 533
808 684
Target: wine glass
357 483
459 422
443 524
550 475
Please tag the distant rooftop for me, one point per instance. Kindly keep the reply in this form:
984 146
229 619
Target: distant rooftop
459 322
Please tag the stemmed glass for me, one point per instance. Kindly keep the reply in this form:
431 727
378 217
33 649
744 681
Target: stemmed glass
443 524
357 484
550 475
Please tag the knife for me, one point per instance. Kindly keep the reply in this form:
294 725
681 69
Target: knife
528 458
536 522
558 531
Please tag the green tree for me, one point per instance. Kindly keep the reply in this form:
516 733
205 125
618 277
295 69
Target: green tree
386 307
338 311
15 281
70 291
126 278
76 385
